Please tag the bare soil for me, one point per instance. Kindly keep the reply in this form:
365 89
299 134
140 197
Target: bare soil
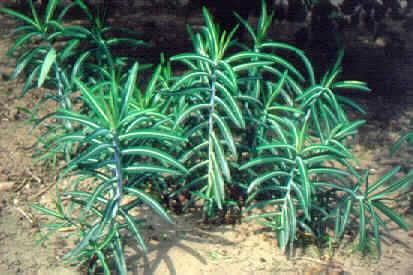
189 247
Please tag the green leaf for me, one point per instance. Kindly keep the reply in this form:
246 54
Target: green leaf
94 152
383 179
227 135
220 157
251 65
188 112
150 89
190 56
230 83
78 65
94 103
352 104
149 201
130 88
399 142
277 146
304 176
119 255
71 116
362 225
325 149
28 84
266 177
99 192
21 41
330 171
351 84
215 179
266 57
90 235
47 211
142 168
102 260
247 26
391 214
346 130
49 60
154 153
20 16
151 134
265 160
212 30
346 217
134 229
229 99
51 7
406 180
228 111
292 221
375 224
296 50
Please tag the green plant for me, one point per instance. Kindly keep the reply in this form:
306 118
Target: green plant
205 109
292 130
122 147
307 181
36 43
115 138
54 54
208 110
407 137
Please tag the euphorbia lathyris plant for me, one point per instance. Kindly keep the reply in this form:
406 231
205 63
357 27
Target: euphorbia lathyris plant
209 110
285 122
53 54
119 146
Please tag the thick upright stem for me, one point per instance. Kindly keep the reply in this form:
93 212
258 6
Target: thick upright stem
64 103
118 173
63 100
210 131
212 106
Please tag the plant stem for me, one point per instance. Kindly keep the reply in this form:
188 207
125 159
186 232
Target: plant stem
210 133
118 173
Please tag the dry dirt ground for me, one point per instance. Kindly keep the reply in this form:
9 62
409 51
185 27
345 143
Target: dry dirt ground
190 247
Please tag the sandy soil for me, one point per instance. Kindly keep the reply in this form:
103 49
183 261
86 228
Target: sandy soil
190 247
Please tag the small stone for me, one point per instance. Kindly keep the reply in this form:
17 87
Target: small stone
372 171
6 186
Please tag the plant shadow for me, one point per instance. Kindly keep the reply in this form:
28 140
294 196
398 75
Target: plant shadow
169 245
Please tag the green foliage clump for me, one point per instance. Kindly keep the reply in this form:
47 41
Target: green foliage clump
246 126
